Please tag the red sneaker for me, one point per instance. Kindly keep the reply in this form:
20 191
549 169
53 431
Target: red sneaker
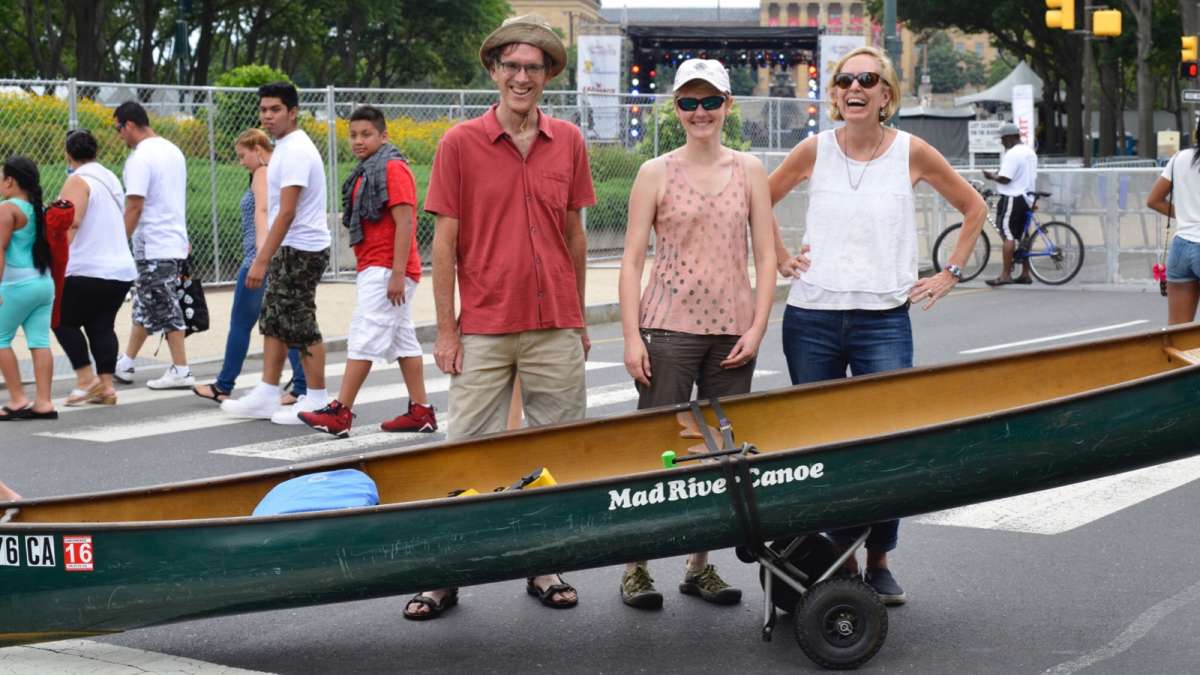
334 418
418 418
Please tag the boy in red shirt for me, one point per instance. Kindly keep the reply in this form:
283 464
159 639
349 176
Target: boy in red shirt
379 206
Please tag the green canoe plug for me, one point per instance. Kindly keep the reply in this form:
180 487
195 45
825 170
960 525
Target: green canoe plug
668 459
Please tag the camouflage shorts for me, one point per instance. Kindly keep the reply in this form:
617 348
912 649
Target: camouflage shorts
155 296
289 309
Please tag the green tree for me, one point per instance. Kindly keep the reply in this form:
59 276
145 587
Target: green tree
950 69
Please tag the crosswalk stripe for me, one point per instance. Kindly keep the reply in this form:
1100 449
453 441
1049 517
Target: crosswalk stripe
300 448
86 657
1062 509
212 417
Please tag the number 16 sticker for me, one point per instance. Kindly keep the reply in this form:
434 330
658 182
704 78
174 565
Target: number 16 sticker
77 553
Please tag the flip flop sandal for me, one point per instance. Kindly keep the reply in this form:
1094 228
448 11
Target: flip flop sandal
7 414
215 394
436 608
546 596
31 414
999 282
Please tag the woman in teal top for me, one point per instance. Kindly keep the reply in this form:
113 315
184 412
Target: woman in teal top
26 289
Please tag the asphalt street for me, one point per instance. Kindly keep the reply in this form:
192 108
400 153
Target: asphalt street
1116 591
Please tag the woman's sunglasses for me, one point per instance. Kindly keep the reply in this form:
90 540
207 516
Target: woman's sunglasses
865 80
708 103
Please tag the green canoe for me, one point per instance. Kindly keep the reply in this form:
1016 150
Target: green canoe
832 455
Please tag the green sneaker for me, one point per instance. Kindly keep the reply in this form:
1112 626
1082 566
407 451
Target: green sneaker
710 586
637 589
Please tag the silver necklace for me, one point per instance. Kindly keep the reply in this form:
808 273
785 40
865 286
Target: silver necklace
846 156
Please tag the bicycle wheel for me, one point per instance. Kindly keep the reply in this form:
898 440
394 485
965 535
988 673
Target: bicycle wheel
943 247
1055 253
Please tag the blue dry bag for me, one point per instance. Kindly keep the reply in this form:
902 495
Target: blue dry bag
344 489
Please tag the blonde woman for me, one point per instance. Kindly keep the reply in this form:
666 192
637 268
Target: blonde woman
856 273
253 149
698 322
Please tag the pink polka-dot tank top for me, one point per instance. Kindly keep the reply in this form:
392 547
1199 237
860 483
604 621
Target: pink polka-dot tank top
699 282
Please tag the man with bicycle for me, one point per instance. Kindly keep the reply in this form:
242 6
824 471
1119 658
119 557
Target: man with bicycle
1016 179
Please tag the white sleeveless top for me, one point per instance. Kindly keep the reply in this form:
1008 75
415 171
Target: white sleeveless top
864 241
100 248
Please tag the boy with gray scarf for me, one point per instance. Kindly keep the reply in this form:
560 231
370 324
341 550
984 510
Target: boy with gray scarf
379 205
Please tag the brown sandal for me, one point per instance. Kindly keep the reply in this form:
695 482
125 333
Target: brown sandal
436 608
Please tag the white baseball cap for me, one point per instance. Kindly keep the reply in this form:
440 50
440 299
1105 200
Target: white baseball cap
709 70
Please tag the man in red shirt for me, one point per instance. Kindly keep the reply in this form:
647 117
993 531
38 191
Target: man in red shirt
379 206
507 188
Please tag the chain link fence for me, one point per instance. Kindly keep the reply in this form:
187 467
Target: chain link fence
622 131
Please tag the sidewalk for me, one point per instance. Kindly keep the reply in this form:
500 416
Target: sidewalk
335 306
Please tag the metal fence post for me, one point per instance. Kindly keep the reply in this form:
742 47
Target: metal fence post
1112 226
333 197
654 114
212 184
72 104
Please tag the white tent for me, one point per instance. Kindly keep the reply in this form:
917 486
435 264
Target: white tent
1001 92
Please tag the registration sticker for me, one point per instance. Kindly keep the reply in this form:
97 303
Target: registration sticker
10 551
77 553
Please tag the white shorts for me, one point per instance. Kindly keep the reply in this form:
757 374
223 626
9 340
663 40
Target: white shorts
379 330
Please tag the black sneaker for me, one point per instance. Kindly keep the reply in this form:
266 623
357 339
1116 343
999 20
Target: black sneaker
885 585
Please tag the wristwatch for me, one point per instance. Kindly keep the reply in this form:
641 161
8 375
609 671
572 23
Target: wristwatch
955 271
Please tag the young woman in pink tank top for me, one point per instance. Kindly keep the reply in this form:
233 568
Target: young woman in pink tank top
698 323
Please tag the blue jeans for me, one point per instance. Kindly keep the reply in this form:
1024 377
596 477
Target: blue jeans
820 344
1183 261
247 302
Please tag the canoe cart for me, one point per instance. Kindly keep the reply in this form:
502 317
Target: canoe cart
829 456
839 620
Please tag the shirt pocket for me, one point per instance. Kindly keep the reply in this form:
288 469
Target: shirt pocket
552 189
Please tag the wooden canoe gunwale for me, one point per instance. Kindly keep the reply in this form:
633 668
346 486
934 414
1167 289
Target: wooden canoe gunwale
588 484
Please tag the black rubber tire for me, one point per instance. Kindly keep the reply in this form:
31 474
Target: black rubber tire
1056 272
943 248
813 557
841 623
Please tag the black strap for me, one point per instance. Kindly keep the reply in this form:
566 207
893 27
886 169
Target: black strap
737 476
723 423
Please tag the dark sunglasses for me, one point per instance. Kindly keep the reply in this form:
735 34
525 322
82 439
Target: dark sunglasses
708 103
865 80
117 126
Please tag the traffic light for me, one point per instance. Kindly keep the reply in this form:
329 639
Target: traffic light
1060 14
1106 23
1187 48
1189 70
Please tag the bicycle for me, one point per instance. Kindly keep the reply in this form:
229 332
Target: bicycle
1054 249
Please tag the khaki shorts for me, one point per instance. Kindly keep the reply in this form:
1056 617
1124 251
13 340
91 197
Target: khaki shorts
553 387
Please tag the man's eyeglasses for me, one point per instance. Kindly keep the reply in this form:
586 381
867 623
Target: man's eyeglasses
118 126
531 69
708 103
865 80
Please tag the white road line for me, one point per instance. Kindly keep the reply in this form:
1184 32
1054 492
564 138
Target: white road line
85 657
140 393
1137 630
315 445
1051 338
299 448
213 417
1066 508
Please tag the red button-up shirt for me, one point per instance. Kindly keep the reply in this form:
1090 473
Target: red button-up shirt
514 269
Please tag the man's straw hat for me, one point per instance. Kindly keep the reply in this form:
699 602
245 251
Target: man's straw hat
530 29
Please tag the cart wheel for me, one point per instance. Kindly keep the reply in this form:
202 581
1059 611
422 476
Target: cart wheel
815 555
840 623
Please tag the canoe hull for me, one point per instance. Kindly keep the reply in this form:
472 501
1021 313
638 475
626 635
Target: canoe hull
145 574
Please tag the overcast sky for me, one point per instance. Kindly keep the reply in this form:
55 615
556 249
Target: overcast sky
617 4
